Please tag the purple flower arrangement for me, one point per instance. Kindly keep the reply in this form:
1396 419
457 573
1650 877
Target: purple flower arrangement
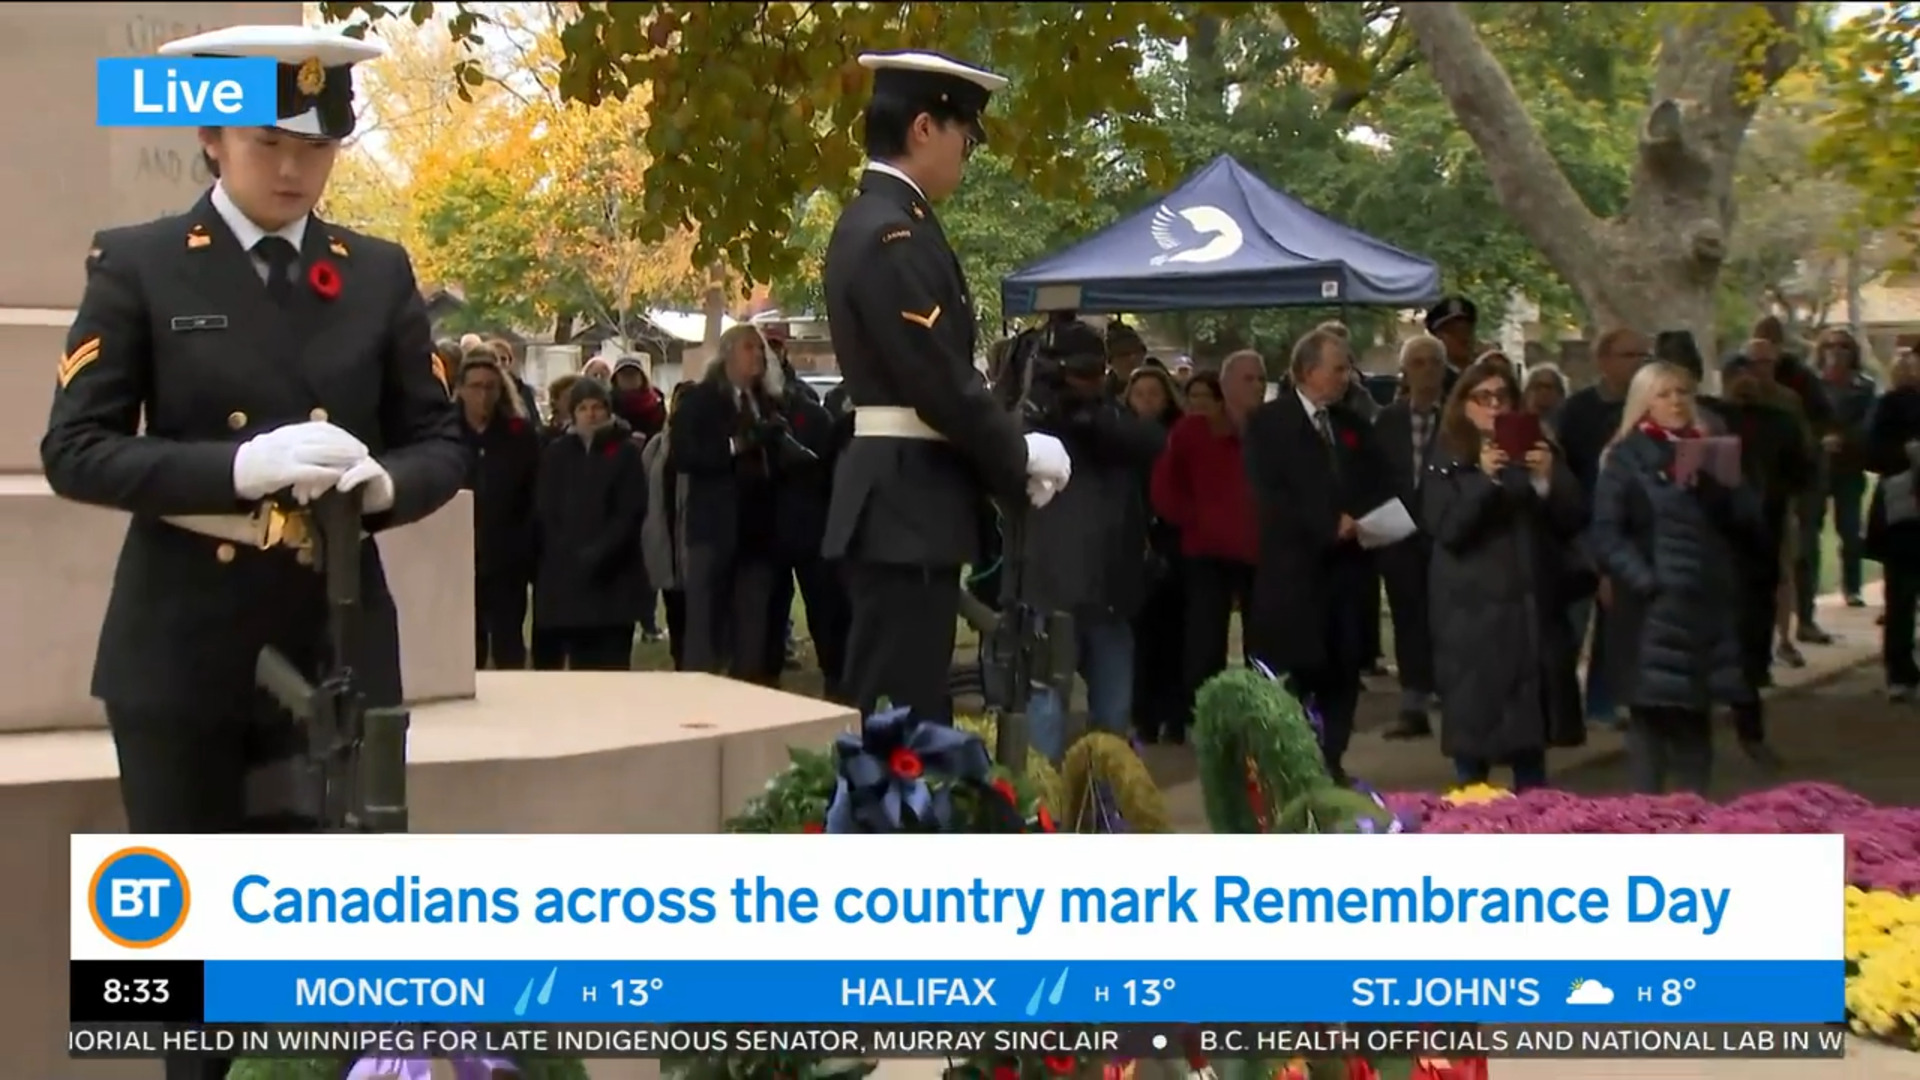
1883 843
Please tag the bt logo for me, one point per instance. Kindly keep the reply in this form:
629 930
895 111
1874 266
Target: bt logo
139 898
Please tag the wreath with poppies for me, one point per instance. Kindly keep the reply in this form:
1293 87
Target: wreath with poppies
890 750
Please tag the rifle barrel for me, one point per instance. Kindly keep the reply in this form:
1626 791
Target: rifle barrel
282 681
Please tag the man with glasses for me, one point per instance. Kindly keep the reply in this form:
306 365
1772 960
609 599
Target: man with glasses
1586 422
928 440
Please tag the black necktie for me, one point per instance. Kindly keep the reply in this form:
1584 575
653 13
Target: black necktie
1324 425
280 256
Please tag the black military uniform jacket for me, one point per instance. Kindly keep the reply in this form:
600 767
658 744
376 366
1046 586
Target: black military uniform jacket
176 329
903 331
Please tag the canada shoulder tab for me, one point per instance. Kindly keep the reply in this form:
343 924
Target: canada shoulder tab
895 232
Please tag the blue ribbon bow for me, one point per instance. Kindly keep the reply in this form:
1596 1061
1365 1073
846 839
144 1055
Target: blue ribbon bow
870 797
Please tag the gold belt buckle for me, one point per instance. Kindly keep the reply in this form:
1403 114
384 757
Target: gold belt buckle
276 526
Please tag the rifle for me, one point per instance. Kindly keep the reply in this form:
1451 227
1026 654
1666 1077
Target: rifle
359 753
1022 648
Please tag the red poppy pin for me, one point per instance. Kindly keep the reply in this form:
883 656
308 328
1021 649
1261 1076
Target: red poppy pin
813 827
1058 1064
325 280
1005 1072
1349 440
905 764
612 451
515 425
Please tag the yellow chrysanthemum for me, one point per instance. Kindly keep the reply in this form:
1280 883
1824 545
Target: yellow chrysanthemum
1476 793
1883 944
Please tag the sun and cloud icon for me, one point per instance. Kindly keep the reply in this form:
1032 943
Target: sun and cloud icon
1589 992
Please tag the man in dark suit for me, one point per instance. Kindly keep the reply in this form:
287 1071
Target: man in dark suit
1314 468
929 443
1407 433
275 358
1455 321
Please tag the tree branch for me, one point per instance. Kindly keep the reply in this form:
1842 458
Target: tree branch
1529 181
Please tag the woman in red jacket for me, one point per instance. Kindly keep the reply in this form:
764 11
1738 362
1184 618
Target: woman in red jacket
1200 486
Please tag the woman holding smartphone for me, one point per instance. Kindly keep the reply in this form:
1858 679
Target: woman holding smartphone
1503 510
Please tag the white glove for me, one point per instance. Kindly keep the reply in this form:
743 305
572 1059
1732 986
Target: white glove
373 476
1047 458
1041 490
308 457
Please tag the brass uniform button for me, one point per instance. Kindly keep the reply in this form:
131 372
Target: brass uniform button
236 420
318 416
226 553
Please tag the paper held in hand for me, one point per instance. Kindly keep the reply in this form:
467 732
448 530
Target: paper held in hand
1388 523
1718 457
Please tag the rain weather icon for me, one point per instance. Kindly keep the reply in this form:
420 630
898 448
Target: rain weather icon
1053 998
1589 992
546 993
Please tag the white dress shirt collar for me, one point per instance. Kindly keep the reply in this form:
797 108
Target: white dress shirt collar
248 233
885 169
1313 411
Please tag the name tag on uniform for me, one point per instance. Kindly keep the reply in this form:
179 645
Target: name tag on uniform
186 323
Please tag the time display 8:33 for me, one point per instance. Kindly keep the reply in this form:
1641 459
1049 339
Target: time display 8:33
136 990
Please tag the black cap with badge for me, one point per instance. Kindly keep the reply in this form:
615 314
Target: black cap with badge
1449 310
316 71
930 82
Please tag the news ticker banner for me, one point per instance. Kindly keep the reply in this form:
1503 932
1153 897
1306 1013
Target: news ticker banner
959 929
1215 1041
969 991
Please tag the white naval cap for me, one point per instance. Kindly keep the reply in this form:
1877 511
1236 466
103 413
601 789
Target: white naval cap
929 82
316 71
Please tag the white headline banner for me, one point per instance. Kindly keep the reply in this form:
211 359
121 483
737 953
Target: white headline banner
813 897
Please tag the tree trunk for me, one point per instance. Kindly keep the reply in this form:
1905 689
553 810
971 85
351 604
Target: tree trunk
1656 265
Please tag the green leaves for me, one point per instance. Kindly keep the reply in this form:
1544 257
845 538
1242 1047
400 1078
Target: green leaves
753 106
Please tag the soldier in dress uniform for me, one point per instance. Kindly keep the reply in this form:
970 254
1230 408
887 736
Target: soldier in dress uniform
929 442
274 357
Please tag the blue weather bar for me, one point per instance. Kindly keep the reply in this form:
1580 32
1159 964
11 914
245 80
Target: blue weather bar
972 991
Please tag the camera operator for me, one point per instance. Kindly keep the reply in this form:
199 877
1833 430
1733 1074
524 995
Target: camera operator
1086 551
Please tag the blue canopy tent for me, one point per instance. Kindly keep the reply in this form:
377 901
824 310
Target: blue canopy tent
1222 239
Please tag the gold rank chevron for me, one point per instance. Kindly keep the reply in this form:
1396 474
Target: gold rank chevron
926 320
83 354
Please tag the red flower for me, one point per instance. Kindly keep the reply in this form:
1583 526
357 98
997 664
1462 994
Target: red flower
1058 1064
905 764
612 451
1005 788
813 827
1005 1072
1044 819
1349 440
324 279
515 425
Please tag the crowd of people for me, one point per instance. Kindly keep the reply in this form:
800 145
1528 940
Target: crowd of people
1201 495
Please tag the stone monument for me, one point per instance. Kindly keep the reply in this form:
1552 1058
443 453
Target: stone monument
497 752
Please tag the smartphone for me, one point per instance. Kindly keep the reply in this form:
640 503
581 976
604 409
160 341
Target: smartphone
1517 433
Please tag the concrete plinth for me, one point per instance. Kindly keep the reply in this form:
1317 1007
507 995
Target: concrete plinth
533 753
57 559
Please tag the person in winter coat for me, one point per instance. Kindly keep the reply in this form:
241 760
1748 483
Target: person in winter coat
729 444
663 542
1852 392
1505 661
504 464
800 524
1893 520
1085 551
1159 681
635 400
1674 548
1778 463
592 501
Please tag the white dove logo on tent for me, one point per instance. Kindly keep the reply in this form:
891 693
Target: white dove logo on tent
1198 234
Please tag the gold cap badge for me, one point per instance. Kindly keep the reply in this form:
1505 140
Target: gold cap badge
312 77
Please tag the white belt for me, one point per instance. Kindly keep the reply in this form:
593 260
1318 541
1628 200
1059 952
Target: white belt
264 529
892 422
